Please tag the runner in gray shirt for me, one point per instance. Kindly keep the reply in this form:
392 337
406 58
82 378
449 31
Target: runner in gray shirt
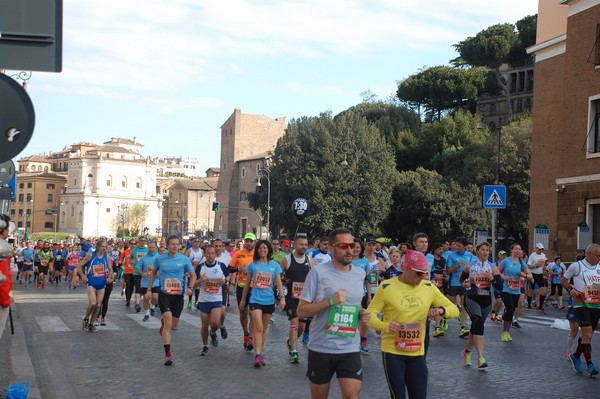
332 293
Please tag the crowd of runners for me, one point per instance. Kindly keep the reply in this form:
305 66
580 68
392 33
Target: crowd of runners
333 290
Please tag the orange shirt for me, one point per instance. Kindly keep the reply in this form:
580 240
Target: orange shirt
240 261
124 258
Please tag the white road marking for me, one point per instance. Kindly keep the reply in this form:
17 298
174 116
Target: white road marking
51 324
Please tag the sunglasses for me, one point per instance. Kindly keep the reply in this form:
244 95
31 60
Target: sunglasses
343 245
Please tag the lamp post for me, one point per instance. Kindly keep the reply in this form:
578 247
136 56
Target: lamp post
348 147
264 172
181 216
123 211
492 109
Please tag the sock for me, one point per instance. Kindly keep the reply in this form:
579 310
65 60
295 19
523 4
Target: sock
570 342
147 311
167 349
587 353
151 306
247 334
579 349
363 339
529 301
541 304
506 325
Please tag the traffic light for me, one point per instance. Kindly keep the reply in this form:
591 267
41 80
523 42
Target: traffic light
216 206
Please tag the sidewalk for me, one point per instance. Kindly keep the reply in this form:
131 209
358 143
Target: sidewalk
15 363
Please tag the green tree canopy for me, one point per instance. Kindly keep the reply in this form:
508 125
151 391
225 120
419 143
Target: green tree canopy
308 163
426 201
515 163
439 89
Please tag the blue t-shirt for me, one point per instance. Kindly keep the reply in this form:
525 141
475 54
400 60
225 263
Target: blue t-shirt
172 271
454 259
28 254
97 270
557 272
146 265
513 271
263 279
363 263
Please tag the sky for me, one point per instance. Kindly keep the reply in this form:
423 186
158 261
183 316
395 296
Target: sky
170 73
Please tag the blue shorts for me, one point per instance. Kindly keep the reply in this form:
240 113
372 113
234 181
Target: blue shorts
97 286
206 307
571 316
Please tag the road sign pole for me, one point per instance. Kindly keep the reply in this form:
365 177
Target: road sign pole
493 257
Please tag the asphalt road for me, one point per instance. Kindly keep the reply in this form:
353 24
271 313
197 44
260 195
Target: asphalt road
125 358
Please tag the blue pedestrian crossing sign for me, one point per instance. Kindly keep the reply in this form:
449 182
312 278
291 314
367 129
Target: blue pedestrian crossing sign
494 197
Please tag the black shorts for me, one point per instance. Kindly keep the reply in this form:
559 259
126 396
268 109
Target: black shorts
137 283
587 317
266 309
238 294
43 269
322 366
20 266
58 267
539 280
457 290
497 294
144 290
170 303
291 309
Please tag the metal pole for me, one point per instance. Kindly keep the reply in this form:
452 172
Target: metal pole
268 208
494 234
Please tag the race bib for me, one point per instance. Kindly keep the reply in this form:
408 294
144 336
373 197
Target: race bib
212 285
513 283
172 286
43 262
342 320
372 278
263 280
480 280
591 294
98 270
297 289
408 338
58 257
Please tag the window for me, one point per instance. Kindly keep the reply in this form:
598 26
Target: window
20 197
138 184
46 169
257 168
21 185
107 210
39 168
243 172
593 133
12 211
32 167
29 197
72 211
20 225
75 182
29 185
124 182
28 225
28 211
243 196
50 186
597 46
50 197
49 225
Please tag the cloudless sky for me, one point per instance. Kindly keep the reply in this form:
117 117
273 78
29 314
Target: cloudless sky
171 72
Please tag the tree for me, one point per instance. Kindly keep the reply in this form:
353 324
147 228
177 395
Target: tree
307 162
136 217
515 164
424 200
497 45
439 89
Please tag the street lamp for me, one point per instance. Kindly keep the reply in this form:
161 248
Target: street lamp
181 214
348 147
492 110
264 172
123 210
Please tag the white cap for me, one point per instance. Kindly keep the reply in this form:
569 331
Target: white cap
539 245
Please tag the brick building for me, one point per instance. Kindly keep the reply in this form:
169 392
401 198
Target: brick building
246 141
565 156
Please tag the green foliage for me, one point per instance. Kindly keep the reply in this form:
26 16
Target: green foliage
515 162
51 237
490 47
439 89
308 163
136 218
526 36
426 201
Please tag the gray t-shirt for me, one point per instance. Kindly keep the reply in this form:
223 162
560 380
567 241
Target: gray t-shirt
323 281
